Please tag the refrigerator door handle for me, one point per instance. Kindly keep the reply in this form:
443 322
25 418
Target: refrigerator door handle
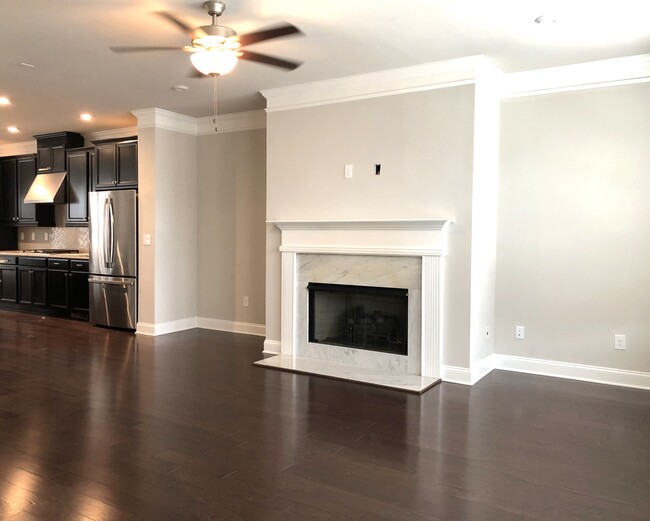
107 232
112 224
111 282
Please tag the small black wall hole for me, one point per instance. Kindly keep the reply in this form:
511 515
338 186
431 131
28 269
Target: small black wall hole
377 169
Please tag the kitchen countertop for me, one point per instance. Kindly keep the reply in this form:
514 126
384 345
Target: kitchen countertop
20 253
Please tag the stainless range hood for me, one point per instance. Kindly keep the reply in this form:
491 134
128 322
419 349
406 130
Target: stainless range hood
47 188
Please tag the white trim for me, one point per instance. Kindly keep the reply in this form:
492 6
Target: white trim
587 373
245 328
602 73
17 149
164 119
427 76
288 312
237 122
115 133
482 368
348 250
456 375
431 315
378 224
164 328
272 347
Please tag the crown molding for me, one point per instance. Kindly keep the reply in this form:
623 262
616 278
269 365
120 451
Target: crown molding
167 120
114 133
237 122
427 76
602 73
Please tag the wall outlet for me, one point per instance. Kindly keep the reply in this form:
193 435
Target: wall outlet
146 239
245 302
619 342
33 236
348 171
47 236
22 236
519 332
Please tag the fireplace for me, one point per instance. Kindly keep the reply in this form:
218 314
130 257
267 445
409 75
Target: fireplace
403 258
362 317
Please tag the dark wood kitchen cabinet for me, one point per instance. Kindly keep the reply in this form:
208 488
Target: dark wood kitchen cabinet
8 279
78 289
16 177
80 163
58 283
51 148
32 284
116 164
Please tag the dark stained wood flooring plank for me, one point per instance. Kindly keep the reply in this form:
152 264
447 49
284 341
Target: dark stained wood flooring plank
104 425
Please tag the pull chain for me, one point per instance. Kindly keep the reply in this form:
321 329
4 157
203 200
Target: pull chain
214 119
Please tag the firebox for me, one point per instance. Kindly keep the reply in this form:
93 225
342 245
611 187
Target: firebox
362 317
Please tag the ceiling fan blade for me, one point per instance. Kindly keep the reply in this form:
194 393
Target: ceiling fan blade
176 21
142 49
269 60
285 29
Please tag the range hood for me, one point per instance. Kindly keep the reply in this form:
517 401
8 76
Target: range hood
47 188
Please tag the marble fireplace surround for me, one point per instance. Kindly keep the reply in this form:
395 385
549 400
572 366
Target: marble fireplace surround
392 253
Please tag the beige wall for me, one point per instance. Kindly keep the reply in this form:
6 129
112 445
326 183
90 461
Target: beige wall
573 255
167 192
424 142
231 228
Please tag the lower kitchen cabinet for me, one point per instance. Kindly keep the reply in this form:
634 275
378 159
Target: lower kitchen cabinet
32 286
8 280
56 287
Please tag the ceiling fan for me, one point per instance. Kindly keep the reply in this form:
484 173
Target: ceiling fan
216 49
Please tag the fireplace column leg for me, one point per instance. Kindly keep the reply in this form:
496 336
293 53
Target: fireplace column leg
431 316
288 306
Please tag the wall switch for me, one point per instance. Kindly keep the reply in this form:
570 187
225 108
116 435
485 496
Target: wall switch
348 171
519 332
146 239
47 236
245 302
33 236
619 342
22 236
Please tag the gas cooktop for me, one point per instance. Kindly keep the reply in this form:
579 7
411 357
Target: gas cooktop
50 250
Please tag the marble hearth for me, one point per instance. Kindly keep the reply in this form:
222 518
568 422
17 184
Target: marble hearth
404 254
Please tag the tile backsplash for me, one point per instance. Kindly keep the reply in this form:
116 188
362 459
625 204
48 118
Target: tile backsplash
61 238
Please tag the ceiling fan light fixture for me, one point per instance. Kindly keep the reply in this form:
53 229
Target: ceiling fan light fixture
214 61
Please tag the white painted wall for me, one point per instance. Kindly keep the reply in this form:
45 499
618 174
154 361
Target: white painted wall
231 227
424 142
573 255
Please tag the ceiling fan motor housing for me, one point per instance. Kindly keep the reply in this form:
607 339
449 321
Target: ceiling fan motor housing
214 8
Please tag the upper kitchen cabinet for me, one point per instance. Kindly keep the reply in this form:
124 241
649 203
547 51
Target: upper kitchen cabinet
116 164
51 149
80 165
16 177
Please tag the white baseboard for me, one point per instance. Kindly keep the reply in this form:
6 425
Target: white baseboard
271 347
456 375
482 368
587 373
164 328
244 328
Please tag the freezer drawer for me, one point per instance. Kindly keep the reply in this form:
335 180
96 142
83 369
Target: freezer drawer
113 301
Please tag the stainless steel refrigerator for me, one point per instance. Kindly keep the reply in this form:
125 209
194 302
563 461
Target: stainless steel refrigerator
113 282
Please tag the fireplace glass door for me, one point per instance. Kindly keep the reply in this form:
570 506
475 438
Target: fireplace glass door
362 317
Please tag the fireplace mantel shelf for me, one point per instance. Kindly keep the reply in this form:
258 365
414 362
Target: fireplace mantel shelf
378 224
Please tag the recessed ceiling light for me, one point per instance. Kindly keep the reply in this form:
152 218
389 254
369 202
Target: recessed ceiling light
13 130
545 20
4 100
86 117
180 88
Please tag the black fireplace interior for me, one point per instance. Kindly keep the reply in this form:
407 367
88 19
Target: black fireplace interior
363 317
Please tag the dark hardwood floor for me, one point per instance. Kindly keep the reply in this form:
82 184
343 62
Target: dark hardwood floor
104 425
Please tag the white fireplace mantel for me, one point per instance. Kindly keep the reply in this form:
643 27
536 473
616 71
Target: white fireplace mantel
421 238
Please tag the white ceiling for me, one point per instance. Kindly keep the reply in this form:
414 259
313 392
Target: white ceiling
68 42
